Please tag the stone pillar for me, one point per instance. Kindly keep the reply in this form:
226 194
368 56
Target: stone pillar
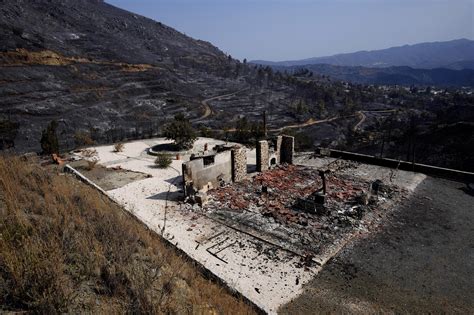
262 156
187 181
239 164
287 151
278 149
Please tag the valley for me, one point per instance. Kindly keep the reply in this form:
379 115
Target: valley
82 76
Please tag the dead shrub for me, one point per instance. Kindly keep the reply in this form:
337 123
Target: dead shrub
118 147
91 164
89 153
82 138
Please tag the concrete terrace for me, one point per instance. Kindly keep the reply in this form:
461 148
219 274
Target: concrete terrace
269 273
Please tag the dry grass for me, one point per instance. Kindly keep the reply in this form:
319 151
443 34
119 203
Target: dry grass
91 164
89 153
66 248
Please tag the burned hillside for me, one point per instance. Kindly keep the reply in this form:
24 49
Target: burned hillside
111 73
116 76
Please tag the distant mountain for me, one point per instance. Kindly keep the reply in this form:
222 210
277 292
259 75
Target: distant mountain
391 76
398 75
456 54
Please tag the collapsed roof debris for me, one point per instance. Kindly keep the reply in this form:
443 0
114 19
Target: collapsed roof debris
228 163
270 205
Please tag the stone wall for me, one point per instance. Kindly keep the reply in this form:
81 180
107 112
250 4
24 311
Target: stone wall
274 151
210 171
281 150
262 156
239 164
287 151
197 175
278 149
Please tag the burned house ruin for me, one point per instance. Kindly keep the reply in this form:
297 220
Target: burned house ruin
228 163
222 165
277 151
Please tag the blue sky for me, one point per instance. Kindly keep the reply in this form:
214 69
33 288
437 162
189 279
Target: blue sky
296 29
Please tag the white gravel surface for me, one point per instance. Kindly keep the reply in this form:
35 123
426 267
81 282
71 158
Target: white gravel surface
265 274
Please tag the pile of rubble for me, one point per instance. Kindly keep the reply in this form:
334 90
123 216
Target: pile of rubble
275 193
275 196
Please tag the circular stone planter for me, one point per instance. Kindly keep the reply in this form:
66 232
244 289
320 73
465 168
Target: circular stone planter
167 148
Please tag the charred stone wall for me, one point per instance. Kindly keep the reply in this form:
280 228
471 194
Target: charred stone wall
210 171
213 169
278 148
239 164
287 151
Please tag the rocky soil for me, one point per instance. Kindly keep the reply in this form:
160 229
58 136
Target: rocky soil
418 262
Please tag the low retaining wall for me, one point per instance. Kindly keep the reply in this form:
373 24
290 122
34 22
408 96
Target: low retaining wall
150 151
208 274
69 169
401 165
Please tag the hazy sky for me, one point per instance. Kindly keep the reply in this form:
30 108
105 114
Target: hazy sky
296 29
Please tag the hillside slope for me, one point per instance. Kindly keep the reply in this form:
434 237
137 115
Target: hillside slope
96 30
100 69
65 248
111 74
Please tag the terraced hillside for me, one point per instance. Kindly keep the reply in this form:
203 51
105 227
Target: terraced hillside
115 75
98 68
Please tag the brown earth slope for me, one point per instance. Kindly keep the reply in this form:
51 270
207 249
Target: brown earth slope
66 248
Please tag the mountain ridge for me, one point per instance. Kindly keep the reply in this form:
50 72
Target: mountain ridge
64 28
401 75
427 55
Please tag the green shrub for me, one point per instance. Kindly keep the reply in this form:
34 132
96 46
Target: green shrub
163 160
181 132
49 139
